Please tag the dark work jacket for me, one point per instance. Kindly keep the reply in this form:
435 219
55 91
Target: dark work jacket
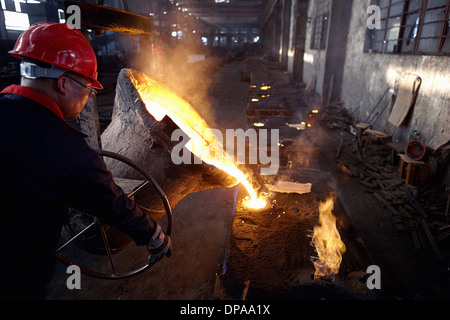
46 168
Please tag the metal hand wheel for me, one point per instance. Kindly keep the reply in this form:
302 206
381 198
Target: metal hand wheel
93 221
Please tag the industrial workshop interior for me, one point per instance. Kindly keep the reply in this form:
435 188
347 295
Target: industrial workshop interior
292 149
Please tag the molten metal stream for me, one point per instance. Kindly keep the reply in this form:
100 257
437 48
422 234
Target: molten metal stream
161 101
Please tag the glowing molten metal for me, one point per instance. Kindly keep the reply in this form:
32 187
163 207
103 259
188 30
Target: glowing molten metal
328 243
161 101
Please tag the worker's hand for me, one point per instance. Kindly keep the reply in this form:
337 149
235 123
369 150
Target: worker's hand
160 245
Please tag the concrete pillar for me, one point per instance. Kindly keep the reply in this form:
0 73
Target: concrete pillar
281 30
229 40
286 32
211 35
300 37
3 32
292 37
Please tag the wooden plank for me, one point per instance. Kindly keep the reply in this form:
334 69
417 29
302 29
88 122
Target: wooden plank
415 238
415 204
430 237
407 159
407 92
386 204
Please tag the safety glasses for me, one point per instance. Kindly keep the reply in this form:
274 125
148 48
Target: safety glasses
92 91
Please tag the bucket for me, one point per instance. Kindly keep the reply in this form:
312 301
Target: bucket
416 150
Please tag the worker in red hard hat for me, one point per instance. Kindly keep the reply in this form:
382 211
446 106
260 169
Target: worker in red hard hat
59 52
47 165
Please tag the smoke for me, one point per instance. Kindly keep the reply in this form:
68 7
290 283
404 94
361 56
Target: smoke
185 67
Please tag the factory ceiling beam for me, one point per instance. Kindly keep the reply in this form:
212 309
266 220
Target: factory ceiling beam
244 12
267 11
101 18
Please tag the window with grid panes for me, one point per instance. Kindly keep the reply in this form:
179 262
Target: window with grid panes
411 27
320 25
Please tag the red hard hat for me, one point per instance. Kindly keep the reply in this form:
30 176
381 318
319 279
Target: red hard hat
59 45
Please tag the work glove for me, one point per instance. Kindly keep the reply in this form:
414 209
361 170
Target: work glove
159 246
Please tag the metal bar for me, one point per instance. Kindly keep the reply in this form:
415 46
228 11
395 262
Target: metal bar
245 291
401 32
376 106
419 29
443 28
76 236
139 188
386 26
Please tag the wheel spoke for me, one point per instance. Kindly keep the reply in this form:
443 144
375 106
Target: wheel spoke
76 236
108 249
139 188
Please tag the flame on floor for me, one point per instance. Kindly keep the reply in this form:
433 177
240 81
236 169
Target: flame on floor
328 243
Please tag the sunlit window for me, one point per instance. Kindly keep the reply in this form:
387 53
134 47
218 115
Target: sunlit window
16 20
413 27
320 25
